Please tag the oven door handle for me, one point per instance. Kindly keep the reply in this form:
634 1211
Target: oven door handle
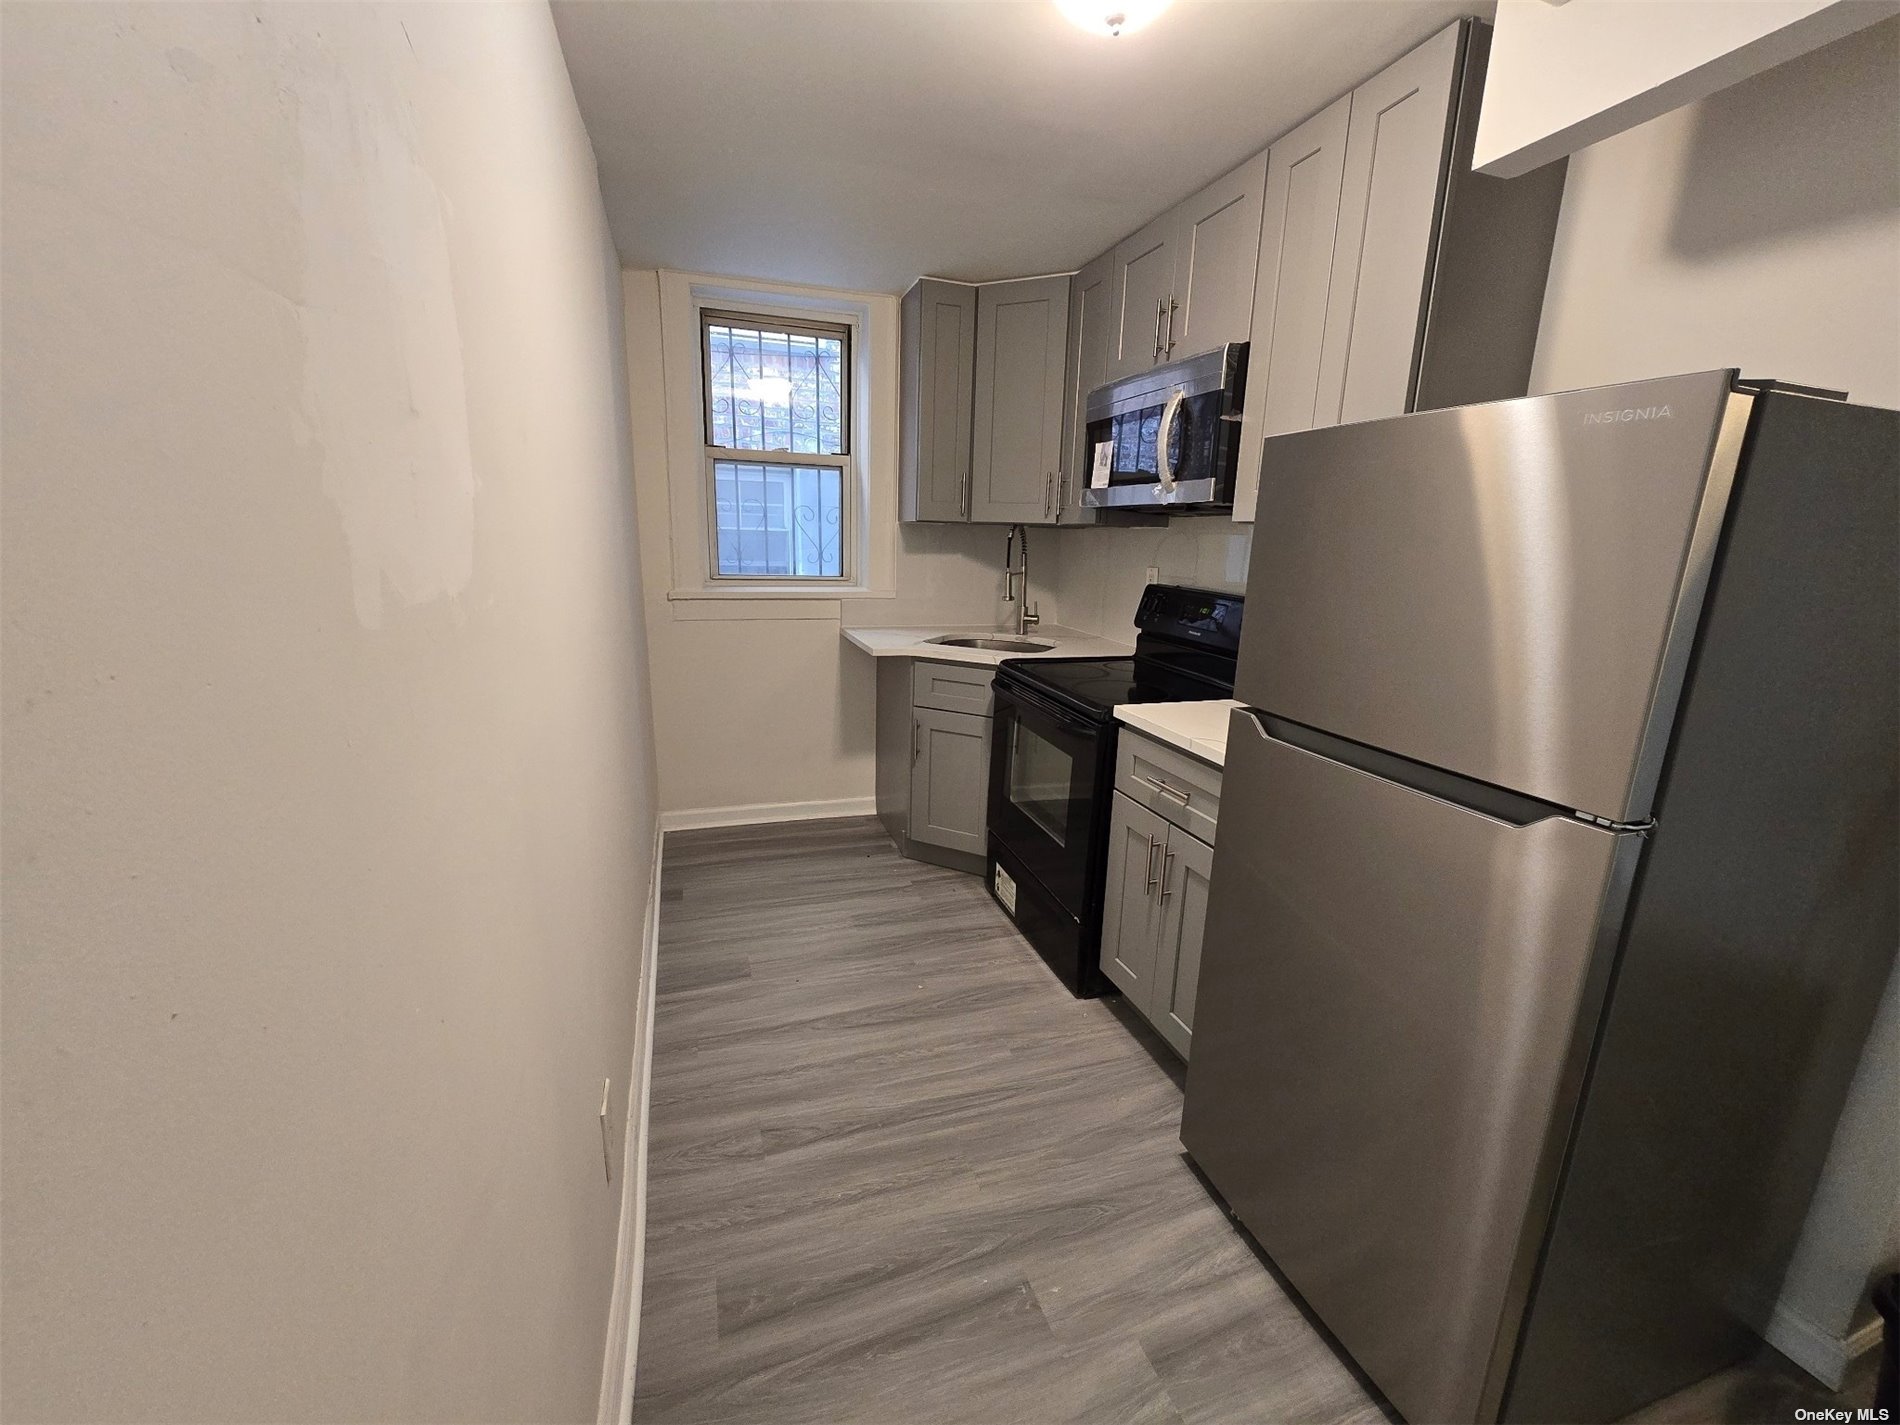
1042 705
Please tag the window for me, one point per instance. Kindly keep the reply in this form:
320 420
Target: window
777 387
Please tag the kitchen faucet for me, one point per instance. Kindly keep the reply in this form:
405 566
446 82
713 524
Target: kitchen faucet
1016 580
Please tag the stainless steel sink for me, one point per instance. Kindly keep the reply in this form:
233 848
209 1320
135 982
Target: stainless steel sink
995 643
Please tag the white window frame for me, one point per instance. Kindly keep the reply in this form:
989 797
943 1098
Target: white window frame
870 504
705 313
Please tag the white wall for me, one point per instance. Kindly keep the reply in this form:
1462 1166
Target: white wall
766 712
1098 573
329 783
1760 228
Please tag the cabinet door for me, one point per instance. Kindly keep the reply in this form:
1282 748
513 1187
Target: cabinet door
1092 320
1396 154
1131 909
1215 264
1144 285
949 779
1299 223
1022 344
1187 863
939 355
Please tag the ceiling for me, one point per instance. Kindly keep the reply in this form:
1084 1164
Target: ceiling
862 143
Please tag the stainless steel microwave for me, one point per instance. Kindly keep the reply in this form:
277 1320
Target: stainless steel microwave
1168 439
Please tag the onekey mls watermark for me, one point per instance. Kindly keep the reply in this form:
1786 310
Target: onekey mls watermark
1844 1415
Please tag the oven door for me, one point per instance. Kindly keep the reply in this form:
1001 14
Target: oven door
1044 792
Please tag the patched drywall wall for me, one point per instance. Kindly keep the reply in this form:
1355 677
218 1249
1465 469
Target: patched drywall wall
329 781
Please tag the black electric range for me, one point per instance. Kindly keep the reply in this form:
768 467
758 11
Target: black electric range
1052 765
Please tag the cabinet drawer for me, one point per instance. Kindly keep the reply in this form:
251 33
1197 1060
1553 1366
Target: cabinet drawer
1169 783
951 687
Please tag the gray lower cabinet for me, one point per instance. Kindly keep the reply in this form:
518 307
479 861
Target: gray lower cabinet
1154 917
1131 915
949 779
933 759
1187 862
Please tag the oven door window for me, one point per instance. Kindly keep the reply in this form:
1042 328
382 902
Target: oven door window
1041 775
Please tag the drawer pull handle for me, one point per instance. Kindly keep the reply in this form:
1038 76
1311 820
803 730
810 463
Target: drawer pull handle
1163 788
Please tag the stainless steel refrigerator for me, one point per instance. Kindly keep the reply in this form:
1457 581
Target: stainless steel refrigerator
1557 878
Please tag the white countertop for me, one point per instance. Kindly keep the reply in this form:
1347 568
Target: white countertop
913 643
1199 729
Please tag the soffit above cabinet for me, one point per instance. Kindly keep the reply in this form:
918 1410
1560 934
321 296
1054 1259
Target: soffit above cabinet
1565 75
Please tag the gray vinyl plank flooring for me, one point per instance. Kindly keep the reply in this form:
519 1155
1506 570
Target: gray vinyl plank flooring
898 1173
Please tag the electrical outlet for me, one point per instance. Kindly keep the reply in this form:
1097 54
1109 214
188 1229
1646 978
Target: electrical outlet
1154 574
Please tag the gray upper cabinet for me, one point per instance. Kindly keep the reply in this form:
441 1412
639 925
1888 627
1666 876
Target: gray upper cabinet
1392 278
1022 373
1396 150
1371 271
1144 285
935 398
1184 284
1301 219
949 779
1093 317
1216 252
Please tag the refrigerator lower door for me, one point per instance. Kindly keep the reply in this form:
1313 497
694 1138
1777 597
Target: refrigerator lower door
1397 996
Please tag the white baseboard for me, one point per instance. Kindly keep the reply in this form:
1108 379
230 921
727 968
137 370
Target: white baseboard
761 813
1819 1352
623 1315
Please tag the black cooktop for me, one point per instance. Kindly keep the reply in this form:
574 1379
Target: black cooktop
1096 685
1186 645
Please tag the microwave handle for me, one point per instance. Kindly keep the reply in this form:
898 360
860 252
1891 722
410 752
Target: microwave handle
1163 466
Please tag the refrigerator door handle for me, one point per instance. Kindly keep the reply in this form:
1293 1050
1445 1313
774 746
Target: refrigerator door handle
1498 803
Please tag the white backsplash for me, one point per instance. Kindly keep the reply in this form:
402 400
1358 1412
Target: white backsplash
1096 575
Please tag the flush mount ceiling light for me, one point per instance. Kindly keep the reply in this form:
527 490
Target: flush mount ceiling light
1106 17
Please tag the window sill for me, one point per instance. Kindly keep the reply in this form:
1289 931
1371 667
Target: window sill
828 594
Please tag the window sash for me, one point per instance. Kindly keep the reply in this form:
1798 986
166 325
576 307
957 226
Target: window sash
848 499
710 317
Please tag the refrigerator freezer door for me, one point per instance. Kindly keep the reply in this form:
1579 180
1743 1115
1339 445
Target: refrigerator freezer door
1507 591
1395 1004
